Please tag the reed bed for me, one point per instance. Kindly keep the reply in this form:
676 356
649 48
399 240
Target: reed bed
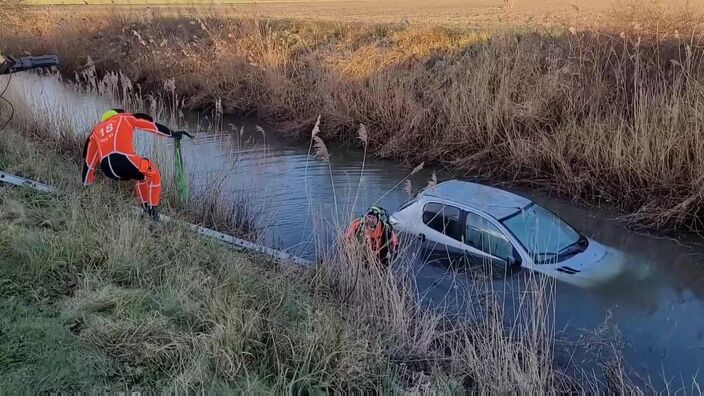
477 348
604 111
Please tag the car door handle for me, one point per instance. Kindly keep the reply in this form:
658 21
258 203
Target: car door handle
421 237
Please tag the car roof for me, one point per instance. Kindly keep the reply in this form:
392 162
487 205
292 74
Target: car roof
494 201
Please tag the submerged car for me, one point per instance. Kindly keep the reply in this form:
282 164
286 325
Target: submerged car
488 225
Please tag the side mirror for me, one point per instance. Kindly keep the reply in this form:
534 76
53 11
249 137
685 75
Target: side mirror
514 260
512 266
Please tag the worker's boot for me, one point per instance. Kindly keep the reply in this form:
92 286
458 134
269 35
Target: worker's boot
151 211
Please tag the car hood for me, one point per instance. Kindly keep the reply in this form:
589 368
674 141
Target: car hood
596 265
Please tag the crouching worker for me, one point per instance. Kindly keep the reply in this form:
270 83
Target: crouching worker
110 146
375 228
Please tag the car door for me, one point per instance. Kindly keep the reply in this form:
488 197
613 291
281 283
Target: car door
443 227
488 243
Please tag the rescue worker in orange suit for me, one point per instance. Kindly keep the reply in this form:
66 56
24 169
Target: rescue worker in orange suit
380 235
110 146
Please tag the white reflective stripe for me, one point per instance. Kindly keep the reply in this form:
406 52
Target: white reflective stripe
111 169
100 151
117 130
90 168
154 130
128 156
85 179
120 152
139 191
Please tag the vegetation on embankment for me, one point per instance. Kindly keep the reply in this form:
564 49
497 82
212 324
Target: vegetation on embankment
112 300
613 114
94 298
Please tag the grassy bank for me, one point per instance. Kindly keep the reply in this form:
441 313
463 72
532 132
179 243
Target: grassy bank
84 308
94 298
607 111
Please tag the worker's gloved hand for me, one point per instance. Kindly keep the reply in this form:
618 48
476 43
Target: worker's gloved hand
179 135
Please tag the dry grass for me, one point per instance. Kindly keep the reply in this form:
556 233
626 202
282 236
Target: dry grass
10 9
609 110
485 348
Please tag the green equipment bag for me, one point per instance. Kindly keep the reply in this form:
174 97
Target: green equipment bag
180 176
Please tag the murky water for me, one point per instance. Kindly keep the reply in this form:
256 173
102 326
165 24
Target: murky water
657 306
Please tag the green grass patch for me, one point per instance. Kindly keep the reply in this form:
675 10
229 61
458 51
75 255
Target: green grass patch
39 353
109 299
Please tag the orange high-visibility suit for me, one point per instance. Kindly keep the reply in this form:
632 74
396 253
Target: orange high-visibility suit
382 239
110 146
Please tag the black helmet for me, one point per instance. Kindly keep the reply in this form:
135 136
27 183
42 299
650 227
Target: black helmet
380 213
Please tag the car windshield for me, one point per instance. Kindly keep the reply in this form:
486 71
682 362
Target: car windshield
543 234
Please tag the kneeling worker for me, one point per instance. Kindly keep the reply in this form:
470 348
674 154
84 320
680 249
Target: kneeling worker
110 146
374 227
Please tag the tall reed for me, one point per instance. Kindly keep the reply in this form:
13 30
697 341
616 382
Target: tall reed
603 112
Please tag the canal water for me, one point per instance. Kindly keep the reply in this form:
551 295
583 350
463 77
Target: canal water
655 309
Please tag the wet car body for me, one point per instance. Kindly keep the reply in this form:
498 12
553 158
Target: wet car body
485 224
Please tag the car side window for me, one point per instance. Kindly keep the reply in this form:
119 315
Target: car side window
482 234
444 218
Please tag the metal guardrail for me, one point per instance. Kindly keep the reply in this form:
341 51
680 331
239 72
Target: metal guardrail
21 181
222 238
